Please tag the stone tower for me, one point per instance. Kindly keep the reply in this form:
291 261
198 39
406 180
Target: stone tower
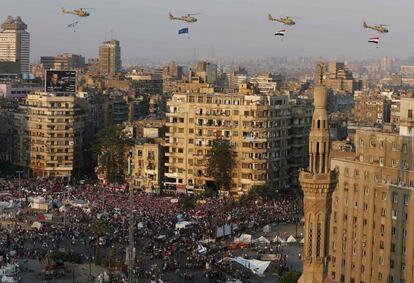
318 183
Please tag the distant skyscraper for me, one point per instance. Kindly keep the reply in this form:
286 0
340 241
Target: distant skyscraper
15 43
110 57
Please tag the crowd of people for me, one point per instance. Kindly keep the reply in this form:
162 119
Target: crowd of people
162 251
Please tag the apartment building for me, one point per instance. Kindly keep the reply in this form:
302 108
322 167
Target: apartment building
256 125
49 133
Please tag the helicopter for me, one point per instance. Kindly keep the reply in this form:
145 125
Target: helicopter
287 20
379 28
81 12
187 18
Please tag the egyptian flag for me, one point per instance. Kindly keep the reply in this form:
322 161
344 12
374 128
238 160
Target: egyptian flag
183 31
374 39
281 32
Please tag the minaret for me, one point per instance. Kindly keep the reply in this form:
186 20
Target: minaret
317 184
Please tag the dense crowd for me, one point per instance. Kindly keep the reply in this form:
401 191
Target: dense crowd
161 249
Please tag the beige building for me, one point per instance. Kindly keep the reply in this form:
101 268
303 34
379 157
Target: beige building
256 125
337 77
370 109
110 57
147 164
65 61
359 207
49 134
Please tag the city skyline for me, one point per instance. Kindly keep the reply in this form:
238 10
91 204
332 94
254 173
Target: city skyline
234 31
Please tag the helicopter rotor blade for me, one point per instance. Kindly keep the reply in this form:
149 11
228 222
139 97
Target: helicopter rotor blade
194 14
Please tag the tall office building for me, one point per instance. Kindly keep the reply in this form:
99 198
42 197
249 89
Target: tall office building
257 126
110 57
318 183
15 44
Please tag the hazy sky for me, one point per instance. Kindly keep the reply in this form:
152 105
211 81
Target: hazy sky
234 28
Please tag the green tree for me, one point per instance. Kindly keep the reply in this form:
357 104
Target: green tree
289 277
99 228
220 164
265 192
111 148
187 202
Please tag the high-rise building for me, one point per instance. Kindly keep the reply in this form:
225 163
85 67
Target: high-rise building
110 57
318 183
64 61
257 126
15 44
49 132
336 76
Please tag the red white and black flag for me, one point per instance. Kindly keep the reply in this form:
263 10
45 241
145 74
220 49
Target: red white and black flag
375 40
281 32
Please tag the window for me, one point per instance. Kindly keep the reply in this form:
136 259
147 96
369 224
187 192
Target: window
406 200
395 197
394 214
410 113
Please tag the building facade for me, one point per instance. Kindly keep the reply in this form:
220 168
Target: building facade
256 125
110 57
49 133
64 61
15 44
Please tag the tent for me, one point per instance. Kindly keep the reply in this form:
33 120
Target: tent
183 224
291 239
263 240
140 225
37 225
201 249
258 267
302 241
266 229
244 238
278 239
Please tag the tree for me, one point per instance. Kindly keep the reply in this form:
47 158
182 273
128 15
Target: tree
220 164
289 277
99 228
265 192
111 148
187 202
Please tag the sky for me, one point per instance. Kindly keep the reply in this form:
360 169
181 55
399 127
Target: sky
229 29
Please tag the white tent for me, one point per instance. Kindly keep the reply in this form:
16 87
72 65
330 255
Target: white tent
302 241
140 225
257 266
37 225
244 238
291 239
201 249
278 239
183 224
263 240
266 229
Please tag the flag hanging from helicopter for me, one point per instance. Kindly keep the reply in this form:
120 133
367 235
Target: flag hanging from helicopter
281 32
72 25
184 31
375 40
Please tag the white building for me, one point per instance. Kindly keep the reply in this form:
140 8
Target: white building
15 43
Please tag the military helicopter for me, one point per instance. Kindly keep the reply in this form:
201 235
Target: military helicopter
379 28
81 12
187 18
287 20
